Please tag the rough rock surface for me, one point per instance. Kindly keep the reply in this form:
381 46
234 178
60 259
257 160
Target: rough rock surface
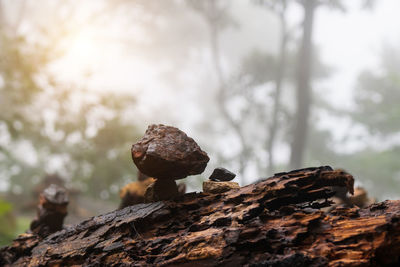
222 174
166 152
219 187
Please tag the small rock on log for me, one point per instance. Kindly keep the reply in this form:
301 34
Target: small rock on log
222 174
219 187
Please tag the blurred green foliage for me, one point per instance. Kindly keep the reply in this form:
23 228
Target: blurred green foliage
5 207
7 223
377 110
87 135
377 96
11 226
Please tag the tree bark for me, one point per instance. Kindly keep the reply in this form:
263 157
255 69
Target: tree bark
275 222
304 92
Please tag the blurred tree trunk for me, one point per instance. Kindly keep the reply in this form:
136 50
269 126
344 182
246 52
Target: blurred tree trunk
280 73
215 15
304 92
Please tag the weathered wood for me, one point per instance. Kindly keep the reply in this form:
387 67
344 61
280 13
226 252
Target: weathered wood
275 222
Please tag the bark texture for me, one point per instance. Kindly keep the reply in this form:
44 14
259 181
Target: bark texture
275 222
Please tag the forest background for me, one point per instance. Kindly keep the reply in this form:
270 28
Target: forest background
262 85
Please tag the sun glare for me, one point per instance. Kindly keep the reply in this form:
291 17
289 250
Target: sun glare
82 53
98 61
83 50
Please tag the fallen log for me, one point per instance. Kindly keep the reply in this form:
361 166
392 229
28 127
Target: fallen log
275 222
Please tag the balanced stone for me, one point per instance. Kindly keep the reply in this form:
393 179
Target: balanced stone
165 152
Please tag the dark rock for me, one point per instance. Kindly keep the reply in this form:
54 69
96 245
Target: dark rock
51 211
166 152
55 195
222 174
161 190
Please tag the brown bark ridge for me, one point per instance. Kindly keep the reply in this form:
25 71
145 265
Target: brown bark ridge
274 222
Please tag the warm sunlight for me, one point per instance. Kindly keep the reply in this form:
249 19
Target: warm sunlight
92 56
81 54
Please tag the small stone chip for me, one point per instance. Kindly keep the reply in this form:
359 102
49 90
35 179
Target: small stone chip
219 187
222 174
